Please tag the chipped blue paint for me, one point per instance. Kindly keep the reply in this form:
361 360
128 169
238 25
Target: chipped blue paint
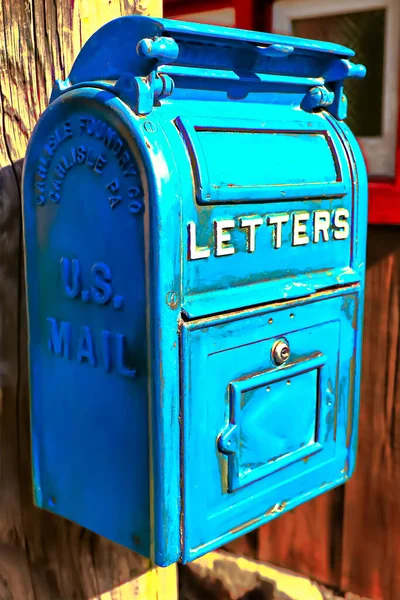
192 197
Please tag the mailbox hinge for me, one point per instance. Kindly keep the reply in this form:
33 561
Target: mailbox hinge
142 92
331 95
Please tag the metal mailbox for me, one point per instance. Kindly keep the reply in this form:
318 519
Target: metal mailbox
195 224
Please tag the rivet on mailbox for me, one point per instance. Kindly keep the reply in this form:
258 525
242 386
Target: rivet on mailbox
195 224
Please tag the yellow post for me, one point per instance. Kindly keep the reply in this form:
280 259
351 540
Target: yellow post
43 556
156 584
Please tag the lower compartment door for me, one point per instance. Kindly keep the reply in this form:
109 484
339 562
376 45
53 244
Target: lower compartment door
264 431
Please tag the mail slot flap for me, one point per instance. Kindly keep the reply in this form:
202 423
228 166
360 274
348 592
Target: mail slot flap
241 161
255 238
260 438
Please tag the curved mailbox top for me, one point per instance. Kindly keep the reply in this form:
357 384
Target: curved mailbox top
120 47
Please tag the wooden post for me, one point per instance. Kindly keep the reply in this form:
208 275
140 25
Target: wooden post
42 556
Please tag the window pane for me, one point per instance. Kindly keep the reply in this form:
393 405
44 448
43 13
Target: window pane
364 32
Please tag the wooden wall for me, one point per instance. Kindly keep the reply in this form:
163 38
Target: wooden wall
350 537
43 557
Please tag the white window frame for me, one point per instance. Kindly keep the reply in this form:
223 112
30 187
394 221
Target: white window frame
216 16
380 152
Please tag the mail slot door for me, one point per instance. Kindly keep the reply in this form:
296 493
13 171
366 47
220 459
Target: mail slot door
260 437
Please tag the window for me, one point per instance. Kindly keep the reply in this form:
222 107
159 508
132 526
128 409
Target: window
372 29
218 16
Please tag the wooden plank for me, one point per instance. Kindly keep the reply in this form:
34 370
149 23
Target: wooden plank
307 539
43 556
371 538
246 545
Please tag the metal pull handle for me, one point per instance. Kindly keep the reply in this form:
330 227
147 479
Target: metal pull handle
163 49
275 50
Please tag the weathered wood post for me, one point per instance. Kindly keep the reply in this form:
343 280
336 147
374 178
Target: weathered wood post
41 556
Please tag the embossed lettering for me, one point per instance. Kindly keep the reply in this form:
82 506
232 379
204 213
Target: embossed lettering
277 221
326 224
130 170
60 170
115 198
78 156
222 238
42 171
123 159
71 276
67 165
134 192
59 341
67 129
58 136
54 197
57 184
40 186
300 237
81 154
113 186
194 252
111 140
250 225
83 122
101 278
51 145
109 137
86 347
121 368
340 222
111 347
99 165
322 221
117 146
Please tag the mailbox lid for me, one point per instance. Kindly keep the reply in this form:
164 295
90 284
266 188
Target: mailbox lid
275 207
281 158
254 445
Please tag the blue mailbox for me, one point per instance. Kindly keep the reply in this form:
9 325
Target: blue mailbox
195 224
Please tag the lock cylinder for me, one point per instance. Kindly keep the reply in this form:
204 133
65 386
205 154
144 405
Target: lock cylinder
280 352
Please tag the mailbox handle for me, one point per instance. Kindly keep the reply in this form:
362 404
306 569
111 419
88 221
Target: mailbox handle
275 50
163 49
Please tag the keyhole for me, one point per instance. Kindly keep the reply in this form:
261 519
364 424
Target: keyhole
280 352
